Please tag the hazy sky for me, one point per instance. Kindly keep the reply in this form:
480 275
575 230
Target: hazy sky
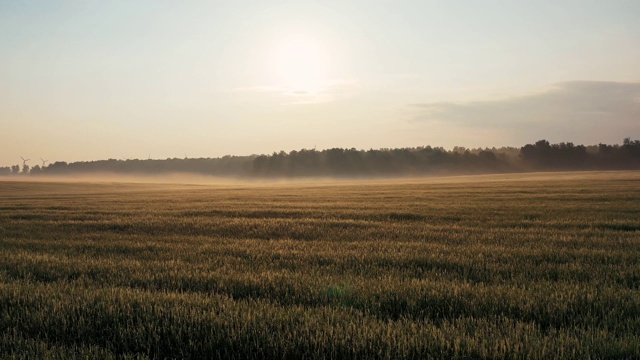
85 80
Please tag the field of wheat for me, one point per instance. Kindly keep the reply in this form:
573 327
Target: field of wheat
511 266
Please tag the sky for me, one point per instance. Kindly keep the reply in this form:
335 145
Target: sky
88 80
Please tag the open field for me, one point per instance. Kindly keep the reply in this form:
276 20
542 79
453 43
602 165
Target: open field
510 266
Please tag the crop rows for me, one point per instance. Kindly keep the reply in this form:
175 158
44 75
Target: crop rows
513 266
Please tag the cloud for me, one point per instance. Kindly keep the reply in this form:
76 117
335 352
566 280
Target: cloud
257 89
328 91
564 105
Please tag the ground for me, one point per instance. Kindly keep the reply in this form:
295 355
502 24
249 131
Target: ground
497 266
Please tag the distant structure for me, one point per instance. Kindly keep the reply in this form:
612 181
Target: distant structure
24 161
43 161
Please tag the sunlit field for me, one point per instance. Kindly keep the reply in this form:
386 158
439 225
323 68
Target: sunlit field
509 266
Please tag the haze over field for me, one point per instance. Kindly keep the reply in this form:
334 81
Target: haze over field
89 80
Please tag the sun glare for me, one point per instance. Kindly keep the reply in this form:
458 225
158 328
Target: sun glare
299 65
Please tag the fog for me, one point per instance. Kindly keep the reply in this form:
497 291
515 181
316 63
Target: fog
189 181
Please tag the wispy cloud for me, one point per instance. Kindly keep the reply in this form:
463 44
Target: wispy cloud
328 91
567 104
258 89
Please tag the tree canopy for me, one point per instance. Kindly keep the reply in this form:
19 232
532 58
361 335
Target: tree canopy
338 162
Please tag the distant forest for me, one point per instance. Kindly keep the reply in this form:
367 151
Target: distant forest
337 162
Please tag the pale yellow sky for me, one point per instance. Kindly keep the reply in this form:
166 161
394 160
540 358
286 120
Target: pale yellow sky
88 80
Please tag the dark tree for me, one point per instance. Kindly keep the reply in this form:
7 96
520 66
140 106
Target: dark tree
36 170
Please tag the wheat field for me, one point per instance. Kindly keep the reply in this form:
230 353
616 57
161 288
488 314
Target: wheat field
499 266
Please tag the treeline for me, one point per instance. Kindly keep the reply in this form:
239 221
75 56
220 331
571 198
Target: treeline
337 162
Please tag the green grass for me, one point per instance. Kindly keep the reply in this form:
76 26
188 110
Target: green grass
514 266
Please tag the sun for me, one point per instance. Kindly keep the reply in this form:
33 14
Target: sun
299 65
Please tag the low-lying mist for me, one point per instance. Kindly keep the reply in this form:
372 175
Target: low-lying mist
189 180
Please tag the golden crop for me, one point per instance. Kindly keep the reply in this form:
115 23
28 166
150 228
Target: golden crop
507 266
